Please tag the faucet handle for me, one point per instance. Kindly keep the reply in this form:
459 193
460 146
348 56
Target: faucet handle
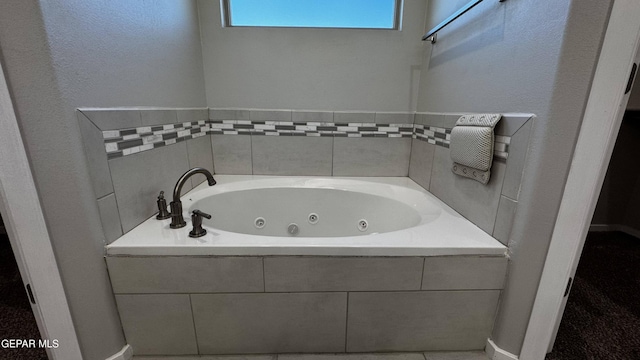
163 213
196 220
200 213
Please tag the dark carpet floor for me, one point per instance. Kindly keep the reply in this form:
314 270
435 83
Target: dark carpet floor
16 316
602 317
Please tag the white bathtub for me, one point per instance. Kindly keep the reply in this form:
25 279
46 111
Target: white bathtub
253 215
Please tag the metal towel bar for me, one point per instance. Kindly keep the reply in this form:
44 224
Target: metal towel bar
432 34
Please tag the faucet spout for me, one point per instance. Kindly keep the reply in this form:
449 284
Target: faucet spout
196 170
177 220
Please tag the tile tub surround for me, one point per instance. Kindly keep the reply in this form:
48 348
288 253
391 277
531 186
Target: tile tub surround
289 304
352 307
276 142
126 186
385 151
491 207
320 146
246 303
119 142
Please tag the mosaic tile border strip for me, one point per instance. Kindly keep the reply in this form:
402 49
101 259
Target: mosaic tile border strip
291 128
125 142
501 146
442 137
432 134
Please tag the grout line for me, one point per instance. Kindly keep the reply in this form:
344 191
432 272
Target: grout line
411 153
264 278
213 161
308 292
526 144
113 294
424 264
495 219
433 162
333 147
193 320
117 206
191 256
176 112
251 152
520 127
346 325
90 121
104 196
192 180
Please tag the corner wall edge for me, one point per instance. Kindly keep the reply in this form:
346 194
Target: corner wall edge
126 353
495 353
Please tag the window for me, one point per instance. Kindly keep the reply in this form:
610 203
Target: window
359 14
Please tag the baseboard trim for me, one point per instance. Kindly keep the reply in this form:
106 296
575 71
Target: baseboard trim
495 353
615 227
125 354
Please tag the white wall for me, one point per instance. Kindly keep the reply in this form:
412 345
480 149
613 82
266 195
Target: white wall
438 11
320 69
521 56
60 55
126 53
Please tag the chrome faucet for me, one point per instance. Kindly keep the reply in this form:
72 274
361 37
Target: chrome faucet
177 221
